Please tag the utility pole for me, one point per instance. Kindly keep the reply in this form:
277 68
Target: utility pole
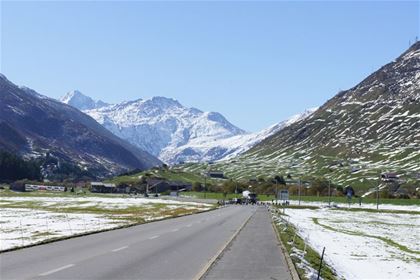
300 185
377 192
329 192
205 188
277 191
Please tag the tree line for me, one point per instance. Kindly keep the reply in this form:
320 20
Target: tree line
13 167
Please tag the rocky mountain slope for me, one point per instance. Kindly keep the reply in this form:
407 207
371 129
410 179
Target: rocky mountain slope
371 128
172 132
33 125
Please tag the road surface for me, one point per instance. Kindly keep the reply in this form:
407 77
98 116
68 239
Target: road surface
253 254
179 248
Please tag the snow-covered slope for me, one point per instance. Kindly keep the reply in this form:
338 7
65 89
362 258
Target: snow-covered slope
172 132
82 102
371 128
213 149
161 125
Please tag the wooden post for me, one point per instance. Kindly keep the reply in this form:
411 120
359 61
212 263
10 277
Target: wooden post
320 264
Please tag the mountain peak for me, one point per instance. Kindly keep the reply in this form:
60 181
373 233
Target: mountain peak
160 124
82 102
163 101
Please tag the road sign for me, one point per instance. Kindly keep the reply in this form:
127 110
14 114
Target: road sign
283 195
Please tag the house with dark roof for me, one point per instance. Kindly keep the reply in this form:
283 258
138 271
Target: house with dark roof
160 185
389 177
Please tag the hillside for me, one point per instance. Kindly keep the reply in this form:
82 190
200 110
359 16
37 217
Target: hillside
33 125
371 128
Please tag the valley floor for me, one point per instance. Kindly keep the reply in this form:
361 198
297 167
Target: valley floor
362 244
30 219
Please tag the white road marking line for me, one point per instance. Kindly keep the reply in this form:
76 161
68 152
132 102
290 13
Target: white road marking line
119 249
56 270
189 225
154 237
175 229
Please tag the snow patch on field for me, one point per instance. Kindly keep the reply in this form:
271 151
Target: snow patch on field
102 202
21 227
30 220
363 245
355 205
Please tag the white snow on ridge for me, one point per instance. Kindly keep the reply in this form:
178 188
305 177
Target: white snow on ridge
82 102
172 132
213 149
161 123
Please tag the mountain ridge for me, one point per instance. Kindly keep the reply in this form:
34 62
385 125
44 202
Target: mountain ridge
371 128
34 125
174 133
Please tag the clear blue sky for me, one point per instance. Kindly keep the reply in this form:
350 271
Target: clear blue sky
255 62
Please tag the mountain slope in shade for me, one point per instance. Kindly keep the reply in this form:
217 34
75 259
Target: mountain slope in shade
33 125
371 128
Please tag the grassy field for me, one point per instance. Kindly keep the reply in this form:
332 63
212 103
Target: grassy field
32 217
342 199
219 196
337 199
171 175
360 243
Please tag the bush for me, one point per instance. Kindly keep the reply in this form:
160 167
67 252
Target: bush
197 187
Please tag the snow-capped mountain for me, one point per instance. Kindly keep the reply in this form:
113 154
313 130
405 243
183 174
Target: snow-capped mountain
161 125
213 149
175 133
82 102
33 125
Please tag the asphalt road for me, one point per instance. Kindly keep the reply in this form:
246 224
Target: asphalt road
171 249
253 254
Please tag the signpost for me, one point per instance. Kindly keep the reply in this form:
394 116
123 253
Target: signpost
283 196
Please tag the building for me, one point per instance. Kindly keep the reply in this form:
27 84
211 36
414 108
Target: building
99 187
216 174
160 185
389 177
21 187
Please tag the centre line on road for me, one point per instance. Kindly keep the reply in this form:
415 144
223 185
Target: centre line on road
154 237
189 225
56 270
175 229
119 249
